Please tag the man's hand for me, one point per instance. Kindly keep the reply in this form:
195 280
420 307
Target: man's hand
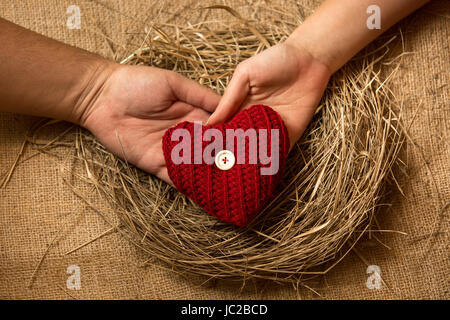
284 77
136 105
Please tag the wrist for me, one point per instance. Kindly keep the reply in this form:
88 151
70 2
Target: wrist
89 88
305 42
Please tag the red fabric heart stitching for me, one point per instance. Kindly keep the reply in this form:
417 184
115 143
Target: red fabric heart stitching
238 194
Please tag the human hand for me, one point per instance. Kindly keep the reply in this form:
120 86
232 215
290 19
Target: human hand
285 77
136 105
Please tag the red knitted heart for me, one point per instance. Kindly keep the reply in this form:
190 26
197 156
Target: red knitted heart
235 195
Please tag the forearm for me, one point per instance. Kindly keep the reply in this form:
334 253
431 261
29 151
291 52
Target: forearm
338 29
43 77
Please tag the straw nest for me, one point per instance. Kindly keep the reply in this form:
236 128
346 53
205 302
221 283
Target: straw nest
333 181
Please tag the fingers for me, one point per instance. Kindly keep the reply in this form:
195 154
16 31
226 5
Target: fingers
234 96
192 92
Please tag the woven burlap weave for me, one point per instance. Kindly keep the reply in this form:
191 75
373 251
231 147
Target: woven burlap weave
40 217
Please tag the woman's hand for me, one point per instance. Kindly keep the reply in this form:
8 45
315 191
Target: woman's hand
291 77
285 77
136 105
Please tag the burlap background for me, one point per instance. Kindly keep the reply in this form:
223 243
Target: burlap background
36 206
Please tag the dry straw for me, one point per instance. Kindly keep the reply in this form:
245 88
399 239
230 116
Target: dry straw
333 183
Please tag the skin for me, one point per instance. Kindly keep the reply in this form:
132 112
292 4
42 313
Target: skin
128 108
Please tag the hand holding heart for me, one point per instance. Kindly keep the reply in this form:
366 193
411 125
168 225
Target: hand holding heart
285 77
290 81
137 105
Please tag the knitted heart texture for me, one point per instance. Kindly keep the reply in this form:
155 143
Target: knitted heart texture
231 169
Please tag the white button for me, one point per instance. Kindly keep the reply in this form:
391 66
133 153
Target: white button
225 160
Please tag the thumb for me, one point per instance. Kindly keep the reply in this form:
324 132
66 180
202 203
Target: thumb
235 94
